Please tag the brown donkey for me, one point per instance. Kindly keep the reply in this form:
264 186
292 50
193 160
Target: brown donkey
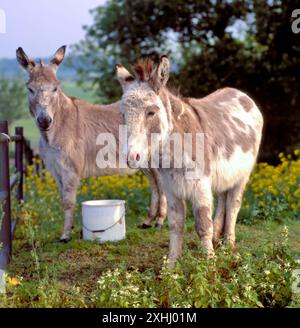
226 128
68 132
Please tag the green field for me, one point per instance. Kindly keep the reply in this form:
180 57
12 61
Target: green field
71 89
133 272
52 274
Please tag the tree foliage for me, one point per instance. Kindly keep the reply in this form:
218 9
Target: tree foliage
12 100
245 44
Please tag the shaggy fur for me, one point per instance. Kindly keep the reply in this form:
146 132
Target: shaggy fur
231 125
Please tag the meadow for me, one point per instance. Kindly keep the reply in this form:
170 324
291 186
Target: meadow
134 271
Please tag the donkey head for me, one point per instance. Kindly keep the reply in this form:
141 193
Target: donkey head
143 108
43 87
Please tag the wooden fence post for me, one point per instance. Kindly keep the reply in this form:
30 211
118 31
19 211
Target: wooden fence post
6 237
19 147
28 152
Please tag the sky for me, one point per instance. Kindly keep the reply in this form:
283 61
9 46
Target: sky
42 26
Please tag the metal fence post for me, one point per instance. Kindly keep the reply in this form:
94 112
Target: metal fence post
19 147
6 237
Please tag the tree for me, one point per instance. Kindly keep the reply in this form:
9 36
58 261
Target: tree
208 51
12 100
124 30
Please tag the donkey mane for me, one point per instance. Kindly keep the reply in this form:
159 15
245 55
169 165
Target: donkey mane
225 129
143 68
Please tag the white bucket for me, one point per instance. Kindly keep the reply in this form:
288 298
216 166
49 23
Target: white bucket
103 220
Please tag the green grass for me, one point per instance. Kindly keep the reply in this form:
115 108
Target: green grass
30 130
65 275
133 272
71 89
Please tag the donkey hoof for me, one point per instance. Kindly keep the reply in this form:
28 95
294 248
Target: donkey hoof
158 226
64 240
145 226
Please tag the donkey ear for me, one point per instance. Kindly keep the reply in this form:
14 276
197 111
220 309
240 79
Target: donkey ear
124 77
23 60
58 57
160 76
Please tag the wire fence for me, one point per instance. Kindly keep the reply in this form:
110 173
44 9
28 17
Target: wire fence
11 186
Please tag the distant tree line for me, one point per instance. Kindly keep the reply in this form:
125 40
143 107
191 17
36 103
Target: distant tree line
246 44
12 99
10 69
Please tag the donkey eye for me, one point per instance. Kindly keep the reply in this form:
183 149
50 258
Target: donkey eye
151 111
30 90
55 89
150 114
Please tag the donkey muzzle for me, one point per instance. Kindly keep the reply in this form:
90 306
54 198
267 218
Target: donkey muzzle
134 159
44 122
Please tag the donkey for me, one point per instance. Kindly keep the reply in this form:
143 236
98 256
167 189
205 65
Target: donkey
68 131
231 126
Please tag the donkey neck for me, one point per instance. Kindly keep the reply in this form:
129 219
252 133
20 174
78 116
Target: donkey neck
181 113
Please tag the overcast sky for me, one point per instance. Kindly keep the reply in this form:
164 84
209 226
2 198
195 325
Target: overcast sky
42 26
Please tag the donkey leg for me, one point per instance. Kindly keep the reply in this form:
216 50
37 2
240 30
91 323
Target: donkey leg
58 181
68 201
154 203
163 206
233 205
203 207
176 217
219 219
